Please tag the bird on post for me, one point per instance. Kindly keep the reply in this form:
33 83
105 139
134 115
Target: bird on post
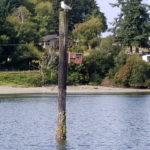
65 6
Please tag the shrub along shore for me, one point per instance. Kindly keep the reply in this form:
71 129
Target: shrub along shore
33 80
29 41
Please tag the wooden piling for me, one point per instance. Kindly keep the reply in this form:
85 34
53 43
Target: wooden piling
62 77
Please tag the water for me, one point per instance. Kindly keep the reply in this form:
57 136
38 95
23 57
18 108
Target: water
95 122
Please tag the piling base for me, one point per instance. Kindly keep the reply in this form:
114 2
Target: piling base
61 127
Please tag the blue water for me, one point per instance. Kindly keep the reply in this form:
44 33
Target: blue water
94 122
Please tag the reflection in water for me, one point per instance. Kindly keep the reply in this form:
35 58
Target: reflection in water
61 145
94 122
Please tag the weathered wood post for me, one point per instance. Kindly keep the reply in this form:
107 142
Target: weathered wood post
62 77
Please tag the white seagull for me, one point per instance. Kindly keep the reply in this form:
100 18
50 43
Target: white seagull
64 6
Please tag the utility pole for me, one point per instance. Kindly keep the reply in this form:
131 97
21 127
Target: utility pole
62 77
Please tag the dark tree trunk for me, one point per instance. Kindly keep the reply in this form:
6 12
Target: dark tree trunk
62 77
137 50
131 50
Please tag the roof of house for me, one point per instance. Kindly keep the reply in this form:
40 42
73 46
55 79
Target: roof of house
49 37
146 53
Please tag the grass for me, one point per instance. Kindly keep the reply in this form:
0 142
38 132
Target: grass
23 79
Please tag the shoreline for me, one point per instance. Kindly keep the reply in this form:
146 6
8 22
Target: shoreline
86 89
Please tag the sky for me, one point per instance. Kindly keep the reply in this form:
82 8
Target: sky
110 12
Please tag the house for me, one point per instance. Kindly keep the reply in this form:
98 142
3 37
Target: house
50 41
146 57
75 58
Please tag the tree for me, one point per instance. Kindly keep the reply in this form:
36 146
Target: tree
22 13
132 27
86 31
80 9
98 63
23 36
135 73
23 23
43 17
6 7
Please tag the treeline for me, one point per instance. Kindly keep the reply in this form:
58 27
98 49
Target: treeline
108 65
24 22
105 61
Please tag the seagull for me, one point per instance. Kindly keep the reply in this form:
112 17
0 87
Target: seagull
64 6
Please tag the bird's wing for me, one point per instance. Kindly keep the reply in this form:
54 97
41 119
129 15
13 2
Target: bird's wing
68 7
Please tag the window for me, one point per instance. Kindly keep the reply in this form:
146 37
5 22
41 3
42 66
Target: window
78 55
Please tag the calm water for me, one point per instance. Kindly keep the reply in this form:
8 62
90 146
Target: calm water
95 122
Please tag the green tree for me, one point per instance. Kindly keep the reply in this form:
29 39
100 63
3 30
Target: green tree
79 12
77 74
6 7
132 27
23 23
86 31
43 17
135 73
98 63
22 38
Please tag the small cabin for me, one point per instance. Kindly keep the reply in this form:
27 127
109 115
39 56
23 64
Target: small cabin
75 58
146 57
50 41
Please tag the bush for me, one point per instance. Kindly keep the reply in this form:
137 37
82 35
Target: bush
135 73
49 76
77 74
119 61
75 78
98 64
95 79
148 83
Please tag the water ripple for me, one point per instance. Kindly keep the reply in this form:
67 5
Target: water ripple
101 122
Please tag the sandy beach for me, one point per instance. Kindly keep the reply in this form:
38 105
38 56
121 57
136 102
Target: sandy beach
70 89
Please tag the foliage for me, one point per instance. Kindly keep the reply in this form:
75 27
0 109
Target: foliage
80 9
22 14
77 74
75 78
24 23
78 48
43 17
109 46
132 27
49 76
119 61
135 73
98 63
48 66
94 43
86 31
